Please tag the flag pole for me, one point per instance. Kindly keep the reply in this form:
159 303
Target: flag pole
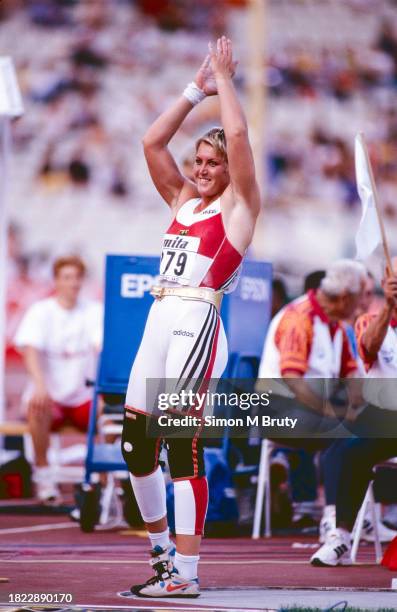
4 150
385 245
10 107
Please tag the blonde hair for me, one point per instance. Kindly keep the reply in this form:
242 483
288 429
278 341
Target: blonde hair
215 137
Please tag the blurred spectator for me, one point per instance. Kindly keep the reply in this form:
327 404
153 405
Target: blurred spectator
313 280
85 54
60 338
79 169
279 295
118 184
387 39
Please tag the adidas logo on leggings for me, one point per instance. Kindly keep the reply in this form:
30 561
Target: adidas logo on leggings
182 332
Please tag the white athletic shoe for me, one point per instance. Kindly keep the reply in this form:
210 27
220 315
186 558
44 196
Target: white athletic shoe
166 582
336 550
47 490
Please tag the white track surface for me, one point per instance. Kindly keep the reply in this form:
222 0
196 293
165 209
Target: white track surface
274 599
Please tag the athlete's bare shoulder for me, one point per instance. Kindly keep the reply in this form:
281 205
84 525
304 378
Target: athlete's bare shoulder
239 218
188 192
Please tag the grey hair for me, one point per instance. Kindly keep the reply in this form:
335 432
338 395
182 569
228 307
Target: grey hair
344 276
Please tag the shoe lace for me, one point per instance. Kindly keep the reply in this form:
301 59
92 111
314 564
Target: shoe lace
159 565
154 579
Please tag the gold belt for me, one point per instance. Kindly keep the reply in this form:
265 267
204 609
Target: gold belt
191 293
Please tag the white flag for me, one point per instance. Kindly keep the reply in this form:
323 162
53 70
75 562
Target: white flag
368 236
10 96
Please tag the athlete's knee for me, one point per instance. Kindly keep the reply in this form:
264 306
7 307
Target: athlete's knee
140 452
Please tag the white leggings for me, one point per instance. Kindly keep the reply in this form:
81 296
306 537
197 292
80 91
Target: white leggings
182 338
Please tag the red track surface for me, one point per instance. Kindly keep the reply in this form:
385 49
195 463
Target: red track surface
94 567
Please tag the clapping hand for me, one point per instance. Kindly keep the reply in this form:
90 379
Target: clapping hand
216 62
221 58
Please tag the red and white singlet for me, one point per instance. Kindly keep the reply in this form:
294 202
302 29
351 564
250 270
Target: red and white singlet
196 251
184 338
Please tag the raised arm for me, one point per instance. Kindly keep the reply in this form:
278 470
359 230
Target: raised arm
375 334
163 169
239 153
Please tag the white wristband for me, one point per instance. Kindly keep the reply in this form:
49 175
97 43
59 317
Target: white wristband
193 93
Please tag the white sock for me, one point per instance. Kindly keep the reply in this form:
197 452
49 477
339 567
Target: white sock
43 473
186 565
150 495
344 534
329 510
160 539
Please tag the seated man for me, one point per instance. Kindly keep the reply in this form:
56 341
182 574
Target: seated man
307 345
376 426
331 457
60 338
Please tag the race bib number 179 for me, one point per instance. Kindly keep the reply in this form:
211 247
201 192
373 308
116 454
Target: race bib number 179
178 258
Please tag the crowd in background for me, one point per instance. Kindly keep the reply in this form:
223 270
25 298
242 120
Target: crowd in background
92 80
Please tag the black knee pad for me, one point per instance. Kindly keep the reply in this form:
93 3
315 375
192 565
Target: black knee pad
140 451
185 457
